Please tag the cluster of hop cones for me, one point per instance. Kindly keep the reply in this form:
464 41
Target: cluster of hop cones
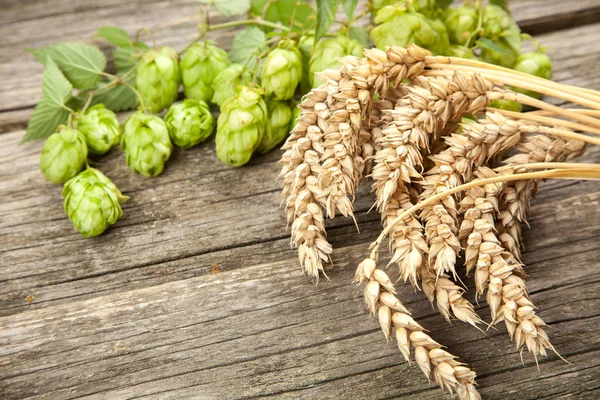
445 186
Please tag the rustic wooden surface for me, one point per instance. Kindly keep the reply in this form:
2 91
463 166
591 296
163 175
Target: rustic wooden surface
138 313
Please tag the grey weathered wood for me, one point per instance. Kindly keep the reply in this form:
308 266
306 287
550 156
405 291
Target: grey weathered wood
136 312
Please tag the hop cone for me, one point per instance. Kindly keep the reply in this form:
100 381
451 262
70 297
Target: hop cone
92 202
496 21
295 115
200 65
101 129
282 71
278 125
507 105
326 54
305 45
241 126
189 123
398 27
456 50
227 81
146 144
534 63
460 23
157 78
64 155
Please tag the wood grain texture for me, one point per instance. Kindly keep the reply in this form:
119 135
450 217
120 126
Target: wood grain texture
136 313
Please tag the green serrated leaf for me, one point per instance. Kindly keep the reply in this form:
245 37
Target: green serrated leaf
119 98
230 7
81 63
55 87
489 44
126 58
251 40
44 121
349 7
114 35
325 15
360 34
443 3
282 11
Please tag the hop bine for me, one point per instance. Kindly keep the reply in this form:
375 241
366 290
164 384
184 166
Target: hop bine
227 81
146 144
101 129
92 202
189 123
241 126
157 78
282 71
64 155
200 65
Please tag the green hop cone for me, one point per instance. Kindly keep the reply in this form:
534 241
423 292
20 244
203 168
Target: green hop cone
157 78
534 63
277 127
101 129
146 144
295 115
92 202
507 105
64 155
282 71
460 23
227 81
496 21
189 123
326 53
200 65
305 45
241 126
395 26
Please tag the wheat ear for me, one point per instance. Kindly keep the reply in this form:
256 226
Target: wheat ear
380 298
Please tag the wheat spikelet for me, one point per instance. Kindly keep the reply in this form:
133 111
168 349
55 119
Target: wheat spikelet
323 163
380 298
515 199
478 142
497 270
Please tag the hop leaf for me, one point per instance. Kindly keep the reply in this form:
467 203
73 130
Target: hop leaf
241 126
92 202
460 23
101 129
278 125
189 123
327 52
64 154
227 81
157 78
199 66
282 71
146 144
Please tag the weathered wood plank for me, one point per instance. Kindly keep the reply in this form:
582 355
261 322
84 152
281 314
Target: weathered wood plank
173 23
268 332
198 218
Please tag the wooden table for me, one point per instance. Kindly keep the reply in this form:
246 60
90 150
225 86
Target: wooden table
137 312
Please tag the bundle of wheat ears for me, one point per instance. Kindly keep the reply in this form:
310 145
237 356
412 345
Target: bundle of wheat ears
445 188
